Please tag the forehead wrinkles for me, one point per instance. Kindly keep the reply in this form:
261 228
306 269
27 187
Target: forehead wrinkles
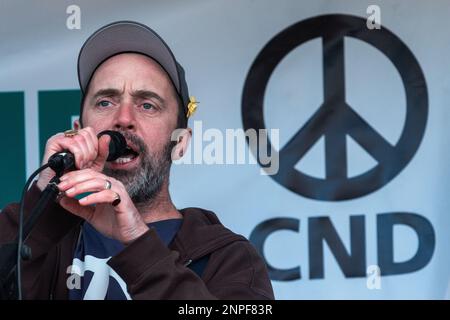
133 84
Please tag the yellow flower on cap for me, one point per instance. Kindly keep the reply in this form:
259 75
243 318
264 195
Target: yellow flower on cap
192 106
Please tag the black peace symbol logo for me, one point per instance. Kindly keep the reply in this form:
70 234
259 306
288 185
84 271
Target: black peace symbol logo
335 119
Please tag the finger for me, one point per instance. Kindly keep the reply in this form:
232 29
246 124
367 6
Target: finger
90 144
93 137
78 145
73 206
70 144
103 152
83 145
72 178
105 196
92 185
83 156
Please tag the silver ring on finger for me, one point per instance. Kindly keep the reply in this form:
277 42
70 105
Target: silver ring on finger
107 184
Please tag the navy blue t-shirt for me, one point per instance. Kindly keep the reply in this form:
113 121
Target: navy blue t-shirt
91 278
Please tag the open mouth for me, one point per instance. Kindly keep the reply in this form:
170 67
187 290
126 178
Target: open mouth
129 155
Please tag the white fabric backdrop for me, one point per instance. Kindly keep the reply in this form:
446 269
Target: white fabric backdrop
217 42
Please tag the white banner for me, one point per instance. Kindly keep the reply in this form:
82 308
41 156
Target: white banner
356 95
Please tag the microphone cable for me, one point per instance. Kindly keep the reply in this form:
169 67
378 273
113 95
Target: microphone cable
20 233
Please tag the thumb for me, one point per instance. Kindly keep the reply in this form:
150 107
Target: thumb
103 152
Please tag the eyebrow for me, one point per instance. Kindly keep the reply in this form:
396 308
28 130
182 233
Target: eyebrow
141 94
108 92
147 94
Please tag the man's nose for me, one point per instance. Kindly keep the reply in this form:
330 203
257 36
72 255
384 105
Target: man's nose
125 117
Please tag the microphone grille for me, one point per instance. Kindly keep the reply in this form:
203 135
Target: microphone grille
117 146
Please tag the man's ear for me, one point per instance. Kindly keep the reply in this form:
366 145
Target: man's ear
76 124
183 137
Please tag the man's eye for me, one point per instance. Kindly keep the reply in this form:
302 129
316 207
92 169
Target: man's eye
104 103
147 106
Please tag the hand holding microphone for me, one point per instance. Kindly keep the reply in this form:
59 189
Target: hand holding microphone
84 149
65 161
108 206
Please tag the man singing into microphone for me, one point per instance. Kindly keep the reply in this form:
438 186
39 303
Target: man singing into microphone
114 232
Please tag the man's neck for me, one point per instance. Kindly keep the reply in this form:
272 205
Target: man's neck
160 208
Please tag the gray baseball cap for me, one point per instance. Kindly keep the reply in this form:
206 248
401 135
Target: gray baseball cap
129 36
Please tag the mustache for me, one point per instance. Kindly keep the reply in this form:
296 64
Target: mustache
136 141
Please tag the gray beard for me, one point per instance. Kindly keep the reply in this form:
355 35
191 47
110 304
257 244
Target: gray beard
145 182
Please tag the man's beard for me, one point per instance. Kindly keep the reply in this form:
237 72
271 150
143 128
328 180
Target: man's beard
145 182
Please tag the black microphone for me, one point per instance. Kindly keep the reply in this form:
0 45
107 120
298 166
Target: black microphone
65 161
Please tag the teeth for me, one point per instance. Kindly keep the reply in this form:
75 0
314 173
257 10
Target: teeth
122 160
